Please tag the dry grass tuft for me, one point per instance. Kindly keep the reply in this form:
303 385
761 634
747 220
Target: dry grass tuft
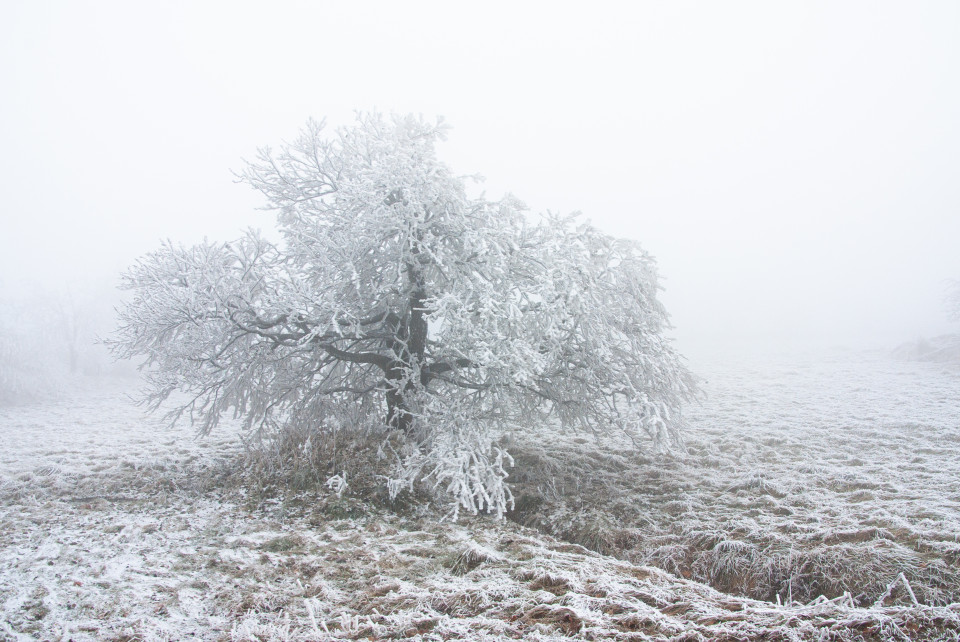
342 474
470 557
560 617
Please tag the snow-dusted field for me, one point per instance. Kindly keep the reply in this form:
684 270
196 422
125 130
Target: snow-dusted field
840 469
825 475
804 476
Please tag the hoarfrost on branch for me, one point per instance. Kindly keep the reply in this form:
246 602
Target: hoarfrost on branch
395 299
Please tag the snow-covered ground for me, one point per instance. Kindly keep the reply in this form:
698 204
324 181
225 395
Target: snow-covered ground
845 468
805 475
114 526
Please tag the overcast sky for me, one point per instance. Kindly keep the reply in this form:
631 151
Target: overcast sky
794 166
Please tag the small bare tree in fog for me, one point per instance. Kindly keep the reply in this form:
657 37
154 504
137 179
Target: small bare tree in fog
952 301
69 322
395 299
29 363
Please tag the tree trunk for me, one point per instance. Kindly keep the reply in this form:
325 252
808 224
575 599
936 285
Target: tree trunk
398 411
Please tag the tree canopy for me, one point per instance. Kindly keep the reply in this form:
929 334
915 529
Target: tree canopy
395 299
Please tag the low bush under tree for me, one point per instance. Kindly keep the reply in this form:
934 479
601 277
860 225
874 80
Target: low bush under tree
394 299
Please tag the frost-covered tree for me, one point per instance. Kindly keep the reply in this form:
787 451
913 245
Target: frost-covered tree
394 297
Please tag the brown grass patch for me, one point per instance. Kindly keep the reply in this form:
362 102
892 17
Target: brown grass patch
558 616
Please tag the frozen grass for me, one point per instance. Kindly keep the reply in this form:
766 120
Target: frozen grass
115 528
803 478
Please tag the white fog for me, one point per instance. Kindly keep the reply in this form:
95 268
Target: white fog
791 168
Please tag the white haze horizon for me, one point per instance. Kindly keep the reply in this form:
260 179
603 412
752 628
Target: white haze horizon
792 166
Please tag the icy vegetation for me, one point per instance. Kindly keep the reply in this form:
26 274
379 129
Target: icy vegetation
396 299
829 486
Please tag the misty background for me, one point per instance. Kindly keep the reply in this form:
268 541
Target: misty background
792 166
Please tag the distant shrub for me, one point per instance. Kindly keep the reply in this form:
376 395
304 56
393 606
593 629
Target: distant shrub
28 369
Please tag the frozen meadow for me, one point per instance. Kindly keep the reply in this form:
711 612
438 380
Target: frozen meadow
805 476
819 499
